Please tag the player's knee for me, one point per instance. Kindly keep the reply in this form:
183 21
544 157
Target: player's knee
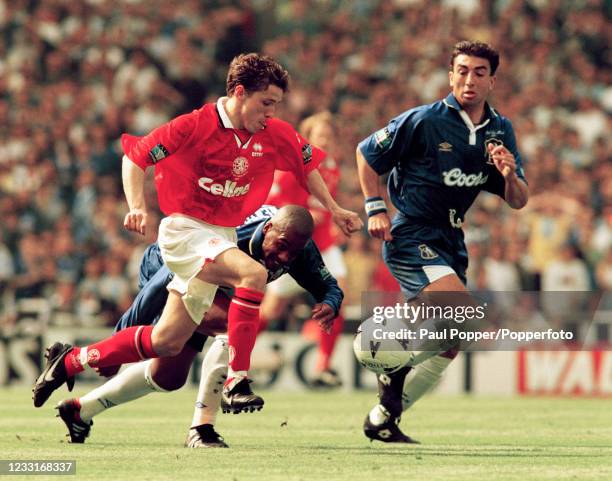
166 346
255 277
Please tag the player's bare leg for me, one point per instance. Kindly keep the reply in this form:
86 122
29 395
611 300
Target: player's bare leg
140 379
396 392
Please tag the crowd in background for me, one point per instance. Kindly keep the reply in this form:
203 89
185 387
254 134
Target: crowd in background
75 74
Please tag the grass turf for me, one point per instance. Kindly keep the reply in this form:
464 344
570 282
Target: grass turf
318 436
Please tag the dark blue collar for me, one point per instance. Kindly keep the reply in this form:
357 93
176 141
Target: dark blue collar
451 101
255 244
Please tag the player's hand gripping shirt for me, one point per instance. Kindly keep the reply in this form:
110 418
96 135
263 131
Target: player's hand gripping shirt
439 161
206 169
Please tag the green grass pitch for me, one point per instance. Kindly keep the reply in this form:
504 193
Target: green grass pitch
317 436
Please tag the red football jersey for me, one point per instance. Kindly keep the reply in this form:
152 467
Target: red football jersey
286 190
206 169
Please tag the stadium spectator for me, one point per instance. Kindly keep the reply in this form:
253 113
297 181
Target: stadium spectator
61 60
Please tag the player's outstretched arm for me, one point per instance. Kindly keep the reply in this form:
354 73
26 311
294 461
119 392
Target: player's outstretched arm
379 224
310 272
133 186
347 220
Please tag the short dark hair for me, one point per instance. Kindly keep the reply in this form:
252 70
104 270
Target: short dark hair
255 72
295 218
476 49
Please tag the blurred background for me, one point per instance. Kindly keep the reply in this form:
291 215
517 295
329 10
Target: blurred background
75 74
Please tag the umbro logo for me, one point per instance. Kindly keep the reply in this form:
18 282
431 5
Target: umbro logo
107 403
445 147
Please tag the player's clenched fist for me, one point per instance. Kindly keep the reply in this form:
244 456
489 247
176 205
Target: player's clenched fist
379 226
136 221
347 220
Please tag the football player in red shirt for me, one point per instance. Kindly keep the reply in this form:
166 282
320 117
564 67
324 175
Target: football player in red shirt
213 168
319 129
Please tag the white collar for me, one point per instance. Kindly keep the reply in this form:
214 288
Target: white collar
227 123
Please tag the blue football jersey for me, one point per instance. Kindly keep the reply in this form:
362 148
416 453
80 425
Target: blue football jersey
438 160
308 269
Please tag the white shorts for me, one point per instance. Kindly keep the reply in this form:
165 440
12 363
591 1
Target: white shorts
186 244
285 286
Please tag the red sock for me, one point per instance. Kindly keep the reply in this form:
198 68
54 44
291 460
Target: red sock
129 345
242 325
327 342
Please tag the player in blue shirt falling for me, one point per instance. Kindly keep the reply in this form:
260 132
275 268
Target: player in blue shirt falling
440 156
277 238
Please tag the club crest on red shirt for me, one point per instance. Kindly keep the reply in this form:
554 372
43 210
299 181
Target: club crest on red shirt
240 166
93 356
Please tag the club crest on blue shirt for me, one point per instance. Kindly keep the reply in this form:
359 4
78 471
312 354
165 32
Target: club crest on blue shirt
494 141
158 153
427 252
383 138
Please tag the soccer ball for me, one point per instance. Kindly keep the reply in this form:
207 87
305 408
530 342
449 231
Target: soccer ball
384 357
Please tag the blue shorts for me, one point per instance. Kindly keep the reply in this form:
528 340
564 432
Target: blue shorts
150 301
417 248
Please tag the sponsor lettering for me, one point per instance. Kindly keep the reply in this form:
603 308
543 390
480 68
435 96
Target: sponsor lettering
456 178
229 189
576 373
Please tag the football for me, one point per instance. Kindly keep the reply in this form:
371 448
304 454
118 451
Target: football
381 357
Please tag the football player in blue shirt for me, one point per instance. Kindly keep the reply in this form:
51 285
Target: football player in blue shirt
439 157
277 238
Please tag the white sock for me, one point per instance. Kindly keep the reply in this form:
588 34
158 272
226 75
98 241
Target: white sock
422 378
212 377
129 384
379 415
238 375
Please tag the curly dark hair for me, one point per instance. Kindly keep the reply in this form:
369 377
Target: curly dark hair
476 49
255 72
